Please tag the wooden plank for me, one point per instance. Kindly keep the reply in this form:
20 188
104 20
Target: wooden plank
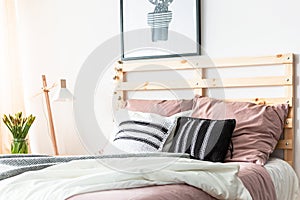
288 132
253 61
119 96
205 62
288 123
266 101
205 83
289 154
289 69
290 162
289 135
285 144
199 74
162 85
289 90
159 65
291 113
250 82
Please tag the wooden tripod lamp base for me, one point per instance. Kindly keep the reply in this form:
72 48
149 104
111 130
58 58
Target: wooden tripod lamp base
50 118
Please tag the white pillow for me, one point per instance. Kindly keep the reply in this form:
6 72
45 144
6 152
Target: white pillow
144 132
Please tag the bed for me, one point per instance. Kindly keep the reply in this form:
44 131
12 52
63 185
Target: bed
173 167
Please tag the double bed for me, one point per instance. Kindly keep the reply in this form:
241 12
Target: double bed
184 160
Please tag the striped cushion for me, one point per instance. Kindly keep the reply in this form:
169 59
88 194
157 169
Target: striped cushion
203 139
142 132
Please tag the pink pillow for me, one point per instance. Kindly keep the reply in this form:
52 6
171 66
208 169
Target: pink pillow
160 107
258 127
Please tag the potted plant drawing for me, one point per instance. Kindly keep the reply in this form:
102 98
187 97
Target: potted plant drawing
19 127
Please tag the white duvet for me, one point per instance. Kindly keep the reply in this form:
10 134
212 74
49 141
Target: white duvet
64 180
284 178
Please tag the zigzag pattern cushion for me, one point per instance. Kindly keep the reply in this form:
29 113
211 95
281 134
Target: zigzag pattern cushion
203 139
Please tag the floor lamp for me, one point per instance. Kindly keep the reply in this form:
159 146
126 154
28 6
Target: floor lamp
63 94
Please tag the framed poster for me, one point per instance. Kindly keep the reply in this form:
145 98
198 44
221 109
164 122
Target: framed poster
159 28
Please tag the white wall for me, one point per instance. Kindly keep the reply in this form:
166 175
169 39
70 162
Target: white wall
58 35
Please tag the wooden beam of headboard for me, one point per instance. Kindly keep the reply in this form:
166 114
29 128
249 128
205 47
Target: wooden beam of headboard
208 83
204 62
199 84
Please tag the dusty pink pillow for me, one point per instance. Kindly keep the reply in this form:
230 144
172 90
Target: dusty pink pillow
258 127
160 107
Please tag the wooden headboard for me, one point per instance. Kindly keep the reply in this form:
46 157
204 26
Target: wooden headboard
201 83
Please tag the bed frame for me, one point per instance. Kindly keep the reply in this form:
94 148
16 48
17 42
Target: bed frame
200 84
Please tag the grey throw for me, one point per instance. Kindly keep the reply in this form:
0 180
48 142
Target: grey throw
12 165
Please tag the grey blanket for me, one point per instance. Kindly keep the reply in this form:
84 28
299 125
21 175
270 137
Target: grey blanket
12 165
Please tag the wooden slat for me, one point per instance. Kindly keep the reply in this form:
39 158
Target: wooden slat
289 69
285 144
205 83
251 82
289 135
119 96
291 113
288 123
287 131
205 62
266 101
289 155
290 162
289 91
159 65
199 74
253 61
140 86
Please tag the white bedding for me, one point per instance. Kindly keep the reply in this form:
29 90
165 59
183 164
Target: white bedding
284 178
64 180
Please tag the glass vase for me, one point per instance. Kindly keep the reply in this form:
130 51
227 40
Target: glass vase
19 146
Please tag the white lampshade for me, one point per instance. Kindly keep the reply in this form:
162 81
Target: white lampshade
63 94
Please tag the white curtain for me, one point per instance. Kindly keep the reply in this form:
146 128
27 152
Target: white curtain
11 92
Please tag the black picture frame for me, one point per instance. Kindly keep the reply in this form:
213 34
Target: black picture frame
158 36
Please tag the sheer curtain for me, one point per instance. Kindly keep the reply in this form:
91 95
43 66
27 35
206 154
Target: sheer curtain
11 93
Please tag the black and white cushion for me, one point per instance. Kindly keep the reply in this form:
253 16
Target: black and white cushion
142 132
146 134
203 139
